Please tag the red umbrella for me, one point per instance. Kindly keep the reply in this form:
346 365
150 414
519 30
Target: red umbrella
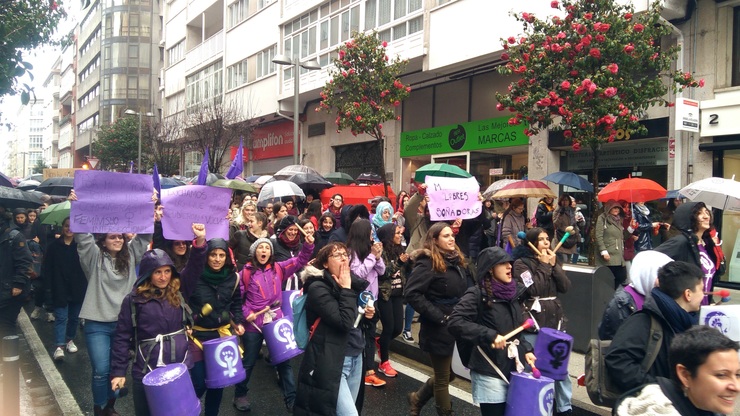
524 189
632 190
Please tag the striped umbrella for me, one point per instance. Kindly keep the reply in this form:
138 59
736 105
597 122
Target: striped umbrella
496 186
524 189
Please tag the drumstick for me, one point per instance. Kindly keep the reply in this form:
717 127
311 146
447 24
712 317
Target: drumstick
523 236
302 231
568 231
267 308
528 323
721 293
535 372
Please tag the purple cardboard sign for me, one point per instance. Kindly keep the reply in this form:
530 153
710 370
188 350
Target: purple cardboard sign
111 202
185 205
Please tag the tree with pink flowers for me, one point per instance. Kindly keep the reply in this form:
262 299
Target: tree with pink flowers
365 89
590 70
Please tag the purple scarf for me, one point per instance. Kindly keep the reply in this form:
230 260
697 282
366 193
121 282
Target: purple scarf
505 291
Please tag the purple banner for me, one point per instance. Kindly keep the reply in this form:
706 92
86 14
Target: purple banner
185 205
111 202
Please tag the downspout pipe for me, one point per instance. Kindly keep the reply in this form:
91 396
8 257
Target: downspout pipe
678 157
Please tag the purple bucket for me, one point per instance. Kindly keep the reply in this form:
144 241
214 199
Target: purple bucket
552 350
223 362
280 341
523 388
287 302
169 391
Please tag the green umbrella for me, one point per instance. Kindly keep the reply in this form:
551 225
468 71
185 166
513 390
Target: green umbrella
339 178
236 185
440 169
55 214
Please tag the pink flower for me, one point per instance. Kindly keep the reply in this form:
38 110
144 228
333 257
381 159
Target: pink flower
505 56
581 29
385 44
576 146
629 48
513 121
628 16
600 38
639 27
586 40
408 89
358 118
588 16
500 107
595 53
592 88
396 103
573 73
380 126
398 117
565 85
567 134
701 82
527 17
560 35
613 68
603 27
554 4
356 104
512 40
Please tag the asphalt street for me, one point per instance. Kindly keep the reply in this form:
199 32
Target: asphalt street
264 394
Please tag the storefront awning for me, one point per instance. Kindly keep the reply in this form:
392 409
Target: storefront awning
724 145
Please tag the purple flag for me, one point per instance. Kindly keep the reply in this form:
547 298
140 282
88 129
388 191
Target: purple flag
155 179
203 175
237 166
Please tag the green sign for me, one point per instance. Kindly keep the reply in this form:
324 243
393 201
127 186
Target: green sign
475 135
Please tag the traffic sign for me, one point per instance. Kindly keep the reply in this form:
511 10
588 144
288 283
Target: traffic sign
93 161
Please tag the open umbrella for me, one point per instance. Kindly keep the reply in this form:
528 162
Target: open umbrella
291 170
524 189
57 186
15 198
339 178
55 214
569 179
263 180
278 189
632 190
236 185
719 193
168 182
38 177
251 179
440 169
309 181
369 177
494 187
6 181
28 184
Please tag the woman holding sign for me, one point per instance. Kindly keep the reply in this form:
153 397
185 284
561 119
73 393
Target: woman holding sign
109 262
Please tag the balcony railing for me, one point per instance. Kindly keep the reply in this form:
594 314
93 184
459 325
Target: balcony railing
205 51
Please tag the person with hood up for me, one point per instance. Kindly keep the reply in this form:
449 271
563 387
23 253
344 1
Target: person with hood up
210 279
695 244
485 313
630 298
383 215
349 214
330 377
610 237
160 312
643 226
703 379
15 269
544 278
260 286
543 215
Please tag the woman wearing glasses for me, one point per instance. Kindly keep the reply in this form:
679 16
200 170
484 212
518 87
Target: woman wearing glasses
109 262
330 377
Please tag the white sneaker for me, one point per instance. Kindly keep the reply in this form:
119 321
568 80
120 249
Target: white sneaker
408 337
36 314
50 317
71 347
59 354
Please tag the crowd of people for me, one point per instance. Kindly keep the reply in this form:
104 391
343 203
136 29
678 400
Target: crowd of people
469 280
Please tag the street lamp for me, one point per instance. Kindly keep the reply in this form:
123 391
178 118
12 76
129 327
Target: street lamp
311 65
134 113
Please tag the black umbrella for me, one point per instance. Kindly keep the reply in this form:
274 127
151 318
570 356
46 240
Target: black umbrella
57 186
15 198
6 181
310 181
167 182
369 177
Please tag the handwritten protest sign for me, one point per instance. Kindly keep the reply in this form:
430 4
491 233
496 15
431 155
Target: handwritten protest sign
186 205
452 198
111 202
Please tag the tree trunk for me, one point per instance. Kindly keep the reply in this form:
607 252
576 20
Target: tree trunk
594 207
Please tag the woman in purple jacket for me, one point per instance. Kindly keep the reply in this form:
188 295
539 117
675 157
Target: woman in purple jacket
160 309
261 283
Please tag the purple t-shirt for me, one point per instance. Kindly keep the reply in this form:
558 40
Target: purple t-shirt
708 267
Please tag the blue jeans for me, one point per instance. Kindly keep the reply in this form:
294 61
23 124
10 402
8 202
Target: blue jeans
349 386
65 323
213 396
563 388
252 342
99 337
408 317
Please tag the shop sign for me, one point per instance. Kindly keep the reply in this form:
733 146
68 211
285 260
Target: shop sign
272 141
245 154
687 115
474 135
636 154
495 171
656 127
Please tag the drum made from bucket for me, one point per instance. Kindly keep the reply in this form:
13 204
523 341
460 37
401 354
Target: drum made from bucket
287 302
280 341
223 362
523 388
552 350
169 391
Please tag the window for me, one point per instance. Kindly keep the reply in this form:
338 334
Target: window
265 66
90 69
736 47
204 85
236 75
382 12
35 141
87 124
238 12
89 96
176 53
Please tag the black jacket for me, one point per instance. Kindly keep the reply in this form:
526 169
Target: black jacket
546 282
15 265
477 320
321 367
684 247
628 348
63 271
543 215
617 311
240 242
434 295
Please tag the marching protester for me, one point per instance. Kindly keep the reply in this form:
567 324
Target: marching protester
261 282
15 271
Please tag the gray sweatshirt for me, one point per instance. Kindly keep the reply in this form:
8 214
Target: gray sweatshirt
106 287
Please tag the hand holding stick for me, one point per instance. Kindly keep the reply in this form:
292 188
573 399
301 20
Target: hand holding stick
568 230
527 324
522 236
